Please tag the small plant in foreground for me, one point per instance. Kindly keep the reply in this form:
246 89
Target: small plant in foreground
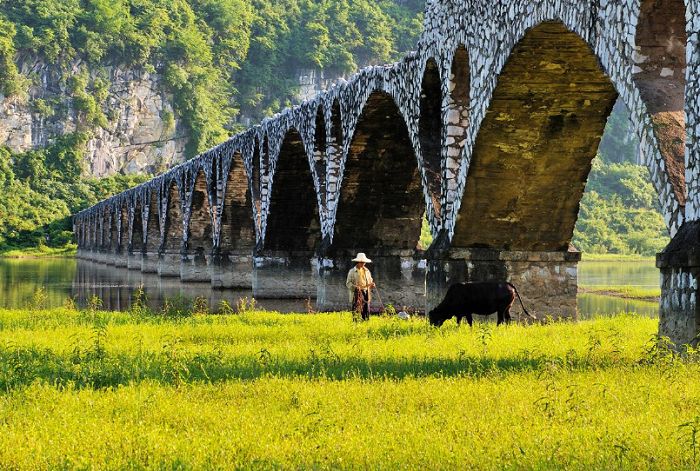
38 301
243 305
94 304
225 309
139 302
690 435
200 306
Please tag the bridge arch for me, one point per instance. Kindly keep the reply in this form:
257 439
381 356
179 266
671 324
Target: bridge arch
153 224
136 246
237 223
200 238
293 222
533 152
124 230
320 154
106 229
381 201
659 74
173 237
430 127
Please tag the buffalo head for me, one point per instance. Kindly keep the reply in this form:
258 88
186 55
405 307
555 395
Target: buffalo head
437 317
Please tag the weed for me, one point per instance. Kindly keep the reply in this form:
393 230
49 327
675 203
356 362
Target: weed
690 436
225 309
200 306
244 305
38 301
139 303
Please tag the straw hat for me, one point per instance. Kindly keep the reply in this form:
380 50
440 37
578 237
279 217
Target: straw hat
361 257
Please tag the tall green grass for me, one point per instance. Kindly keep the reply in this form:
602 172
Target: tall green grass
262 390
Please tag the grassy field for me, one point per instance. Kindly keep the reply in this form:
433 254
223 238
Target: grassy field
89 389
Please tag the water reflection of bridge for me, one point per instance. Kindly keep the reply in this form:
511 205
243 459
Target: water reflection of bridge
488 129
115 288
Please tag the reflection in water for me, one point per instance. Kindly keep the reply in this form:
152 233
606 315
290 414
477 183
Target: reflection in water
637 274
115 287
590 305
21 279
62 279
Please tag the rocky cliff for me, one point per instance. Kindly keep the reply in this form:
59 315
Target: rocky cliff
140 133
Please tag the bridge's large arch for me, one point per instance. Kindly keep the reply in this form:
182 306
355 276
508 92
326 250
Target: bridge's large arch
660 60
237 224
381 200
200 223
533 153
293 222
173 221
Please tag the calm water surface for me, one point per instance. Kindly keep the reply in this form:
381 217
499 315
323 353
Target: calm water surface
62 279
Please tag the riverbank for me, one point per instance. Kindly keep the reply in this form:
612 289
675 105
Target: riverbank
626 292
110 390
42 251
613 257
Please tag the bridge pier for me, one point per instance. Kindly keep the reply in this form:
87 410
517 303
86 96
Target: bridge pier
149 262
285 275
399 275
546 281
194 266
679 264
133 260
169 264
231 270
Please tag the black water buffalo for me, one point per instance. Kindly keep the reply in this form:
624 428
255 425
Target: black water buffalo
485 297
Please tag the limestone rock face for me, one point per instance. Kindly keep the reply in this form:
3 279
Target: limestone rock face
142 134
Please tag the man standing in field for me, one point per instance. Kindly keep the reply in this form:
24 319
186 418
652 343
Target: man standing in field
359 285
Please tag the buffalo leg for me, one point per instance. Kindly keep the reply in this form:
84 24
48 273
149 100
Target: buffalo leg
469 318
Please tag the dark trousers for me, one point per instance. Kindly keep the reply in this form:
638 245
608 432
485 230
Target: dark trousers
360 302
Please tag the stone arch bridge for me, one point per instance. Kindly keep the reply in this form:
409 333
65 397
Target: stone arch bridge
487 131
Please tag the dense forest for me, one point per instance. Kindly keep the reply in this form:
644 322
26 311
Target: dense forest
223 60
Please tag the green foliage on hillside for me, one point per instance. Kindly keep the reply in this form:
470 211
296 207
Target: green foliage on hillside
620 211
218 57
41 189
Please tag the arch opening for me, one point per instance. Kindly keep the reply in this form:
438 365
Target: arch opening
200 225
381 201
124 233
533 153
137 236
106 230
293 222
237 224
173 221
153 227
660 63
320 146
256 184
430 131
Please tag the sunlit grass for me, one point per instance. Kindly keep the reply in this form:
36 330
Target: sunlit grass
40 251
614 257
629 292
264 390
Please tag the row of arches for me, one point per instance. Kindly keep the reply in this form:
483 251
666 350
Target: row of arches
527 171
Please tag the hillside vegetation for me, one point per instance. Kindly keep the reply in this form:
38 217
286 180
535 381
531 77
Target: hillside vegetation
259 390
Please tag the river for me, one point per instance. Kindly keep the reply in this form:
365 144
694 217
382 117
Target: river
52 282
